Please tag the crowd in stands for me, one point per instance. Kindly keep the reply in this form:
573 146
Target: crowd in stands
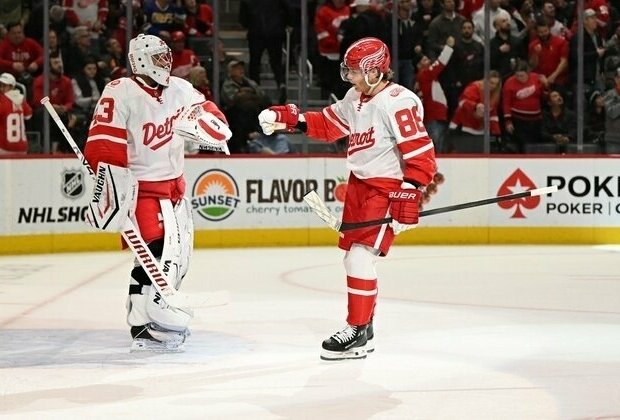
441 46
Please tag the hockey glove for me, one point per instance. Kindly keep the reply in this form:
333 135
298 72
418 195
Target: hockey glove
281 117
405 207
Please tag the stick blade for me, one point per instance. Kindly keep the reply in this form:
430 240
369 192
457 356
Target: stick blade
318 206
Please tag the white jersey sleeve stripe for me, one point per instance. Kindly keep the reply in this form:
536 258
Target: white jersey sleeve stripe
419 151
333 118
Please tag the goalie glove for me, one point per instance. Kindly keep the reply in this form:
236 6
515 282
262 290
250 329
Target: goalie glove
282 117
202 127
114 198
405 207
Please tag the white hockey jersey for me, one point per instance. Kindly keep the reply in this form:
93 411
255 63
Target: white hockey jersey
387 138
140 119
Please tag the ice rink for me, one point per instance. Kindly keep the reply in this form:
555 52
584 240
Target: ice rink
476 332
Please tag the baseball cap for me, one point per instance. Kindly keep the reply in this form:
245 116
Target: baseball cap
7 79
589 13
235 63
360 3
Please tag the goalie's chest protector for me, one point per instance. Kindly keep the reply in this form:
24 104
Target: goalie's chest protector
154 152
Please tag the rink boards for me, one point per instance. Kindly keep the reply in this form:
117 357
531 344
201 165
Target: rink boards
247 201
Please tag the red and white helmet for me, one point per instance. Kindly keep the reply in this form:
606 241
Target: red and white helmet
150 56
366 54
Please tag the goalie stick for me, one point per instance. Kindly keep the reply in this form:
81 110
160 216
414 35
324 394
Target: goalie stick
318 206
130 233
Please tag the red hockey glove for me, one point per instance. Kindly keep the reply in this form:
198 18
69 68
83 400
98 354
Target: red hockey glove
405 207
281 117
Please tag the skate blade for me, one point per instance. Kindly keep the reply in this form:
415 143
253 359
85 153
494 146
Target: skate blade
150 346
354 353
370 346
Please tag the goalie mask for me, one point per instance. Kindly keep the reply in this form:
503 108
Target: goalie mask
364 55
150 56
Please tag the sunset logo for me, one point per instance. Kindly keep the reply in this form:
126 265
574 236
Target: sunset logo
215 195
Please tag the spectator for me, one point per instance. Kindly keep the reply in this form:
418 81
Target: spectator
432 95
80 50
468 57
595 122
467 125
326 25
163 17
198 18
522 101
601 15
183 59
505 49
612 117
548 55
19 55
478 19
556 27
427 11
14 109
87 87
90 14
272 144
593 51
448 23
198 78
115 64
410 42
266 22
559 123
61 97
243 100
467 8
365 21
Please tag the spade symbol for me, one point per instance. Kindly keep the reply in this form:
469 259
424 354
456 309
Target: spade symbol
515 183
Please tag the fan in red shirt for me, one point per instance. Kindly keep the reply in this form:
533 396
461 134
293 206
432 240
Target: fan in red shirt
432 94
183 59
548 55
19 55
467 125
522 103
13 111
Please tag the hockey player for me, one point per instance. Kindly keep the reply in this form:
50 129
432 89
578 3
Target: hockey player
137 134
391 159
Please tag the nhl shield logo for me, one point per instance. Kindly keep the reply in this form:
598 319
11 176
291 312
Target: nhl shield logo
72 183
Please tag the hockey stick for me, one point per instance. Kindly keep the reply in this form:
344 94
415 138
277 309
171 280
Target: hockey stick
318 206
130 233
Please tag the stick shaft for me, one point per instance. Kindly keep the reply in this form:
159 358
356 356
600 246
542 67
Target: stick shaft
539 191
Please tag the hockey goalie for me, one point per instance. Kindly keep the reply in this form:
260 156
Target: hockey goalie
136 144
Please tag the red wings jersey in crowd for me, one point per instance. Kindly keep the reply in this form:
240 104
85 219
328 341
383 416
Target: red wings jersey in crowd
12 128
132 127
387 138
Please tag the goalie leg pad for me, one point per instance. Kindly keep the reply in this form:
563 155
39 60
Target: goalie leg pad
178 240
183 212
144 304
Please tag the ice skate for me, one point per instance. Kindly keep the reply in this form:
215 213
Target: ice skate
370 335
349 343
152 338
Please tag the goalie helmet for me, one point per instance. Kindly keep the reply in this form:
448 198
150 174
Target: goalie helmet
366 54
150 56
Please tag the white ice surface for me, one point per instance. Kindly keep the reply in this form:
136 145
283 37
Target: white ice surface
461 333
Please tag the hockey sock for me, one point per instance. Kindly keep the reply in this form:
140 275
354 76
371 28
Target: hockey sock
362 295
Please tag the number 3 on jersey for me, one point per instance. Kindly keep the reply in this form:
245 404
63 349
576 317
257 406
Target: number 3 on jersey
409 122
